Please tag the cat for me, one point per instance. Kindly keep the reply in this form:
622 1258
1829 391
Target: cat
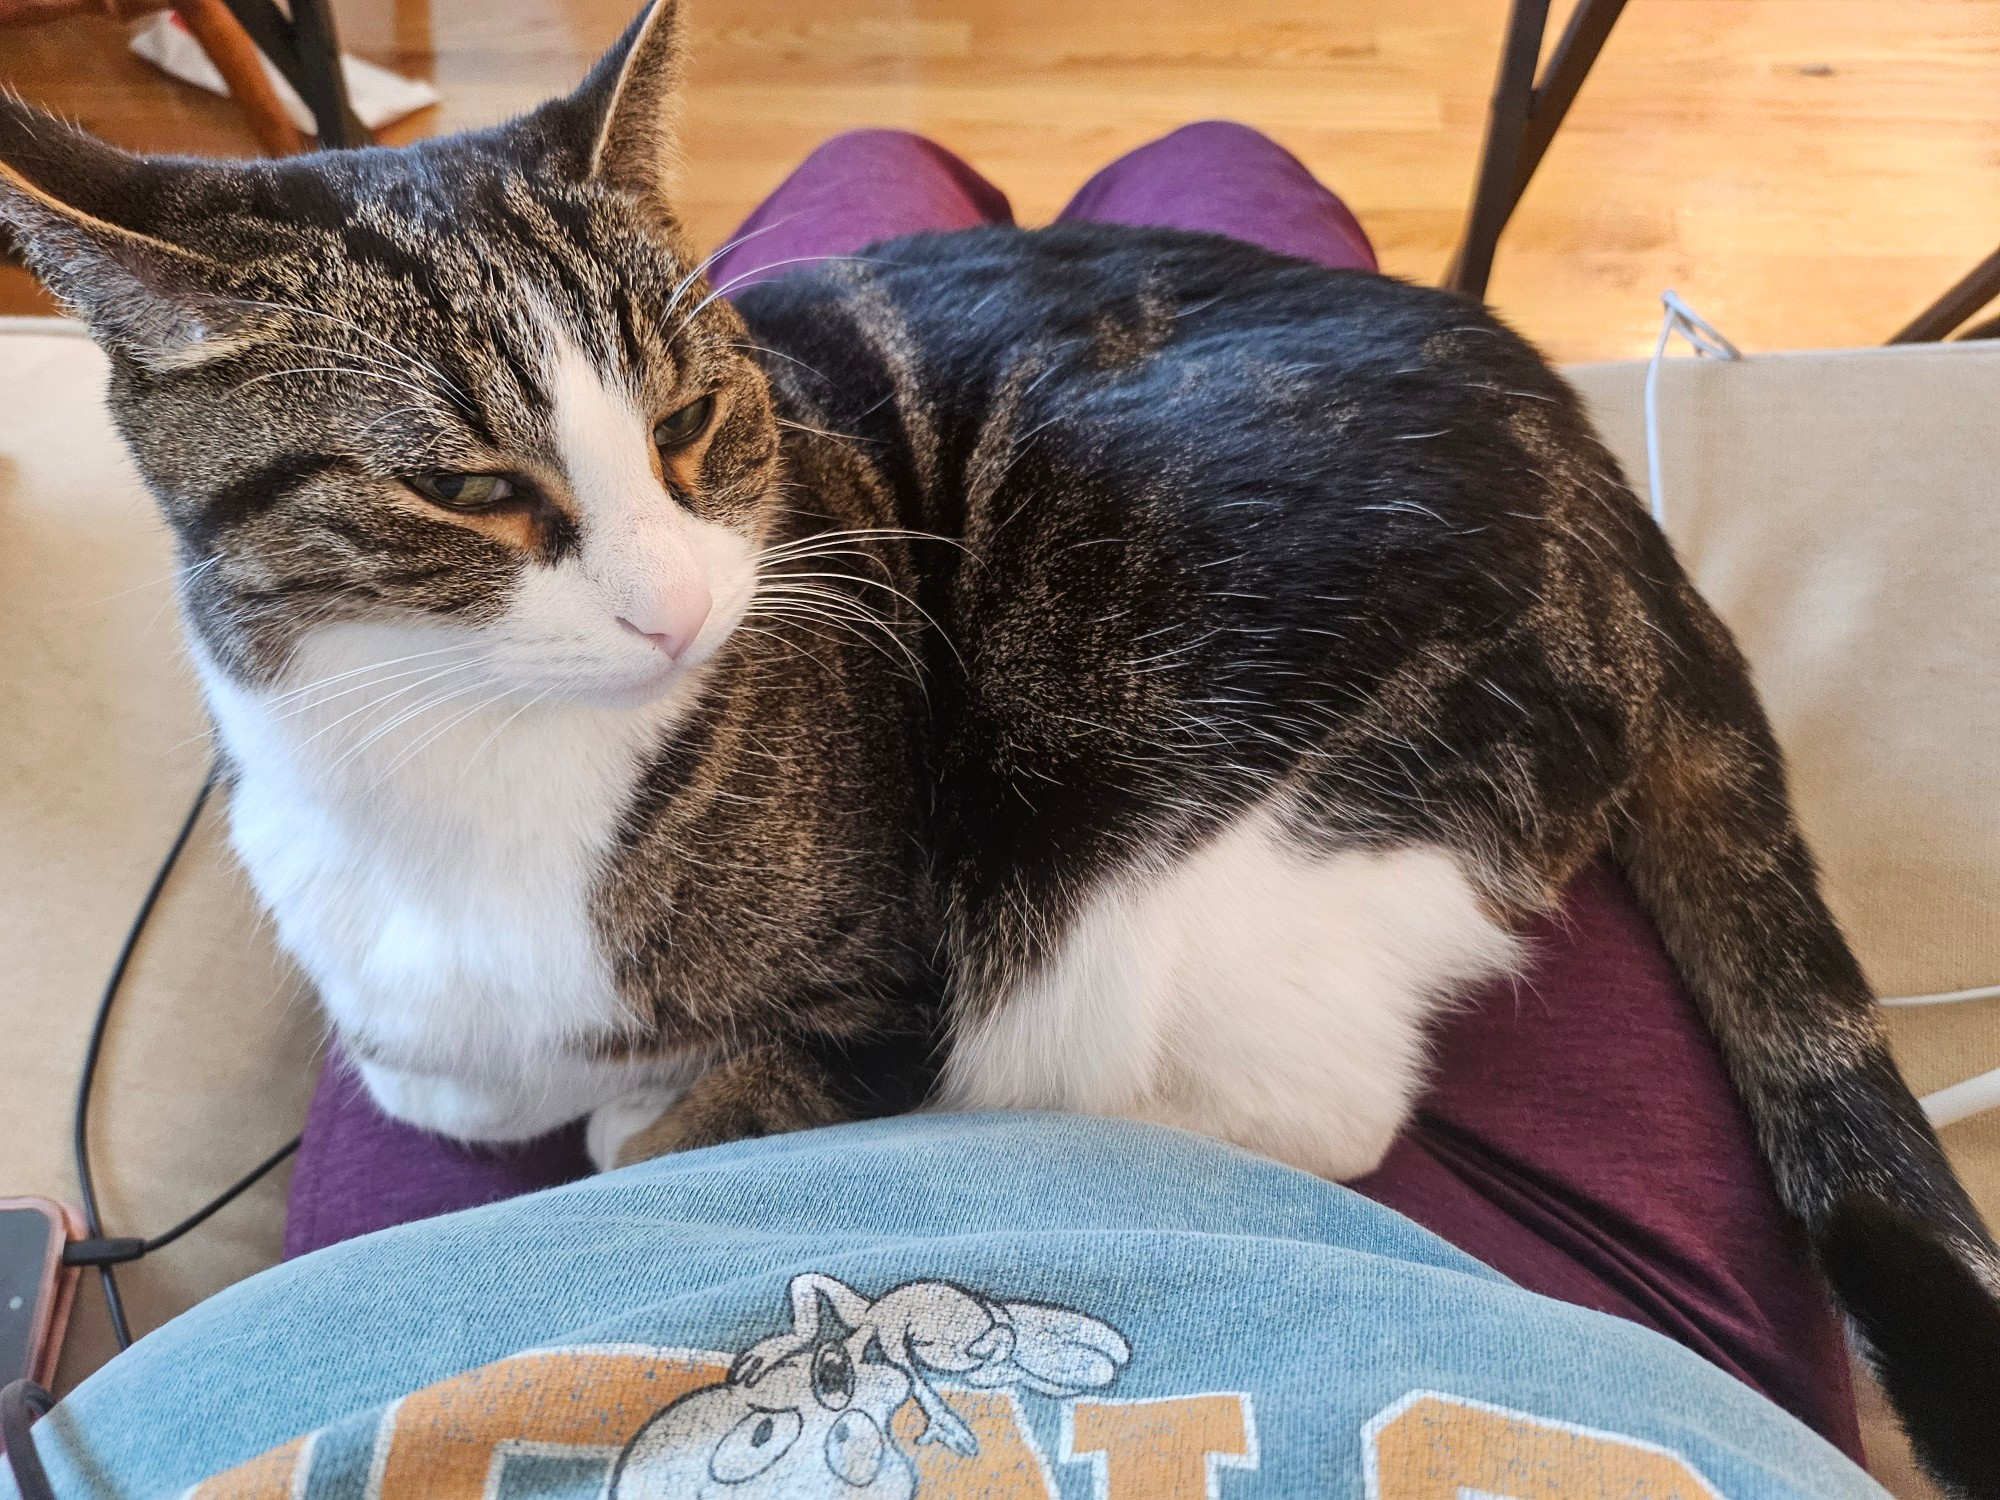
1092 668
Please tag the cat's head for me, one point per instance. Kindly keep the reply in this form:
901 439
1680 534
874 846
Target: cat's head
471 393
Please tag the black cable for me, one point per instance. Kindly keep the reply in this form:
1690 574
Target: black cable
20 1403
97 1250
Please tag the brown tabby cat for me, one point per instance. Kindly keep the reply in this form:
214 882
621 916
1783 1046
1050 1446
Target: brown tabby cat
1092 669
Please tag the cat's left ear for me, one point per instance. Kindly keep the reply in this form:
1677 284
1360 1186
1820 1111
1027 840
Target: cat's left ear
629 106
98 226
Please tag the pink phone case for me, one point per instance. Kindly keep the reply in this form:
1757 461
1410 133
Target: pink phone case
56 1291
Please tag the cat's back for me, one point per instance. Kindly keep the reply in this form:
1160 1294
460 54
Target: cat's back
1139 309
1190 395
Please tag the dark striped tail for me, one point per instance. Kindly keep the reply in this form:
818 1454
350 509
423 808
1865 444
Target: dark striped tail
1708 840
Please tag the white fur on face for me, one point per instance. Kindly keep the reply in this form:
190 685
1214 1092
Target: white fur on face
1260 993
646 566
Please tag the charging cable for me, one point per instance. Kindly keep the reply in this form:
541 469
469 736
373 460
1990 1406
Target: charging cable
23 1401
97 1250
1706 343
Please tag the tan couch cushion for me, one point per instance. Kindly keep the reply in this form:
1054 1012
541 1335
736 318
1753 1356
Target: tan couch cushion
208 1061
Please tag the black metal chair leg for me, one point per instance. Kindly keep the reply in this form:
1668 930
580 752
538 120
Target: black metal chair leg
1576 53
325 90
1978 287
306 49
1524 120
1494 193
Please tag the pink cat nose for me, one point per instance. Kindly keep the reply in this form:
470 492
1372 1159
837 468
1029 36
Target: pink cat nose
671 624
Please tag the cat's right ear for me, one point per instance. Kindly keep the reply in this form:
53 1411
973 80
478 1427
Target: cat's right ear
68 199
619 126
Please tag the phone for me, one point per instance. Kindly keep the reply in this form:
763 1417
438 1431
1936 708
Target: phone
36 1288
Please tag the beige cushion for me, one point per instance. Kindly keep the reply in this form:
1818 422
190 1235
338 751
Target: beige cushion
209 1058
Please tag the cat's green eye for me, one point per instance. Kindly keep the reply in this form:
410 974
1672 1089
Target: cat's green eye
685 425
463 491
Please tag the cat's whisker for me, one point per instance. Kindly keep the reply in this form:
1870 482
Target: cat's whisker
399 370
425 741
358 687
782 639
846 437
791 260
417 711
887 588
544 693
780 354
187 576
674 297
860 533
368 667
347 370
828 611
373 666
808 606
180 574
378 703
411 361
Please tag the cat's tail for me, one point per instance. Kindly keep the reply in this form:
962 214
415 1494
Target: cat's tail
1707 838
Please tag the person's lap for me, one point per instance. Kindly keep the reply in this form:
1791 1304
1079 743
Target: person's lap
1580 1134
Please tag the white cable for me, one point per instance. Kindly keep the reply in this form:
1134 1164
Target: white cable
1946 997
1975 1096
1962 1100
1707 344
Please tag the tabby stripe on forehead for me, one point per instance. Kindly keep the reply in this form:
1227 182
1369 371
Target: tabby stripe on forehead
628 331
367 244
254 493
532 237
533 394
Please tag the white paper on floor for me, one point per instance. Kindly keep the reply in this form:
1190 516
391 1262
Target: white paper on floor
378 95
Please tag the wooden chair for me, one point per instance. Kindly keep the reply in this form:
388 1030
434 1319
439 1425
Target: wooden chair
237 35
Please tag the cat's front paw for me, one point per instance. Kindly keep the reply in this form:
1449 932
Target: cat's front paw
613 1124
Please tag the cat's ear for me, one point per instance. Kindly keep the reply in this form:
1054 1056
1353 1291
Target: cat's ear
630 103
69 201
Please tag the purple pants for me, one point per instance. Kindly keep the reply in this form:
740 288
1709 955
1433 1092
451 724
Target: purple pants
1580 1135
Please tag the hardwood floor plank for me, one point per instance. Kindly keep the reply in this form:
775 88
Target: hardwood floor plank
1807 172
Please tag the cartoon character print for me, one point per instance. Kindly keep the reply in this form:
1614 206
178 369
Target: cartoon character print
805 1415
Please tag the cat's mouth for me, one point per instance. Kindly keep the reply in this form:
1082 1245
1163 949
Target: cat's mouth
656 680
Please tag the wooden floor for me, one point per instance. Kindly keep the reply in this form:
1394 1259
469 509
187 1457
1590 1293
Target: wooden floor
1805 172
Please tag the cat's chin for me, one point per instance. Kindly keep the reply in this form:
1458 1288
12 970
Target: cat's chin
670 680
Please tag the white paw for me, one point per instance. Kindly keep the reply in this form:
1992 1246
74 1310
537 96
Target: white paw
613 1124
463 1111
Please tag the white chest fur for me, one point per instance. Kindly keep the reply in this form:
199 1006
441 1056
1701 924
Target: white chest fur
1254 991
432 871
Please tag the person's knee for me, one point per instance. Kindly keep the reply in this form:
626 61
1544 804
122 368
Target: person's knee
900 156
1209 135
